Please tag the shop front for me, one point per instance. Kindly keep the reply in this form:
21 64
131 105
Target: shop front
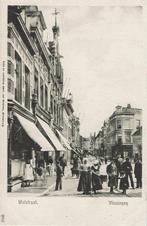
28 146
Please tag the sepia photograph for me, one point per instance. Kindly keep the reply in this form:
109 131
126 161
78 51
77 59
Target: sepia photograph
73 85
66 134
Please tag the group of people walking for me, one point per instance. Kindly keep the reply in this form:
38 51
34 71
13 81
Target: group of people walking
90 178
120 169
119 172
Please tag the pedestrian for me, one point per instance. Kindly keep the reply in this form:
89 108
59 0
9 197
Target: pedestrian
85 178
138 173
123 182
63 162
119 162
28 176
96 179
44 178
59 175
127 167
112 175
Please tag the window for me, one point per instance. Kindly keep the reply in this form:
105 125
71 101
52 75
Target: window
46 98
41 93
10 34
18 77
119 139
51 104
127 137
10 68
36 83
127 123
118 124
137 124
10 50
27 88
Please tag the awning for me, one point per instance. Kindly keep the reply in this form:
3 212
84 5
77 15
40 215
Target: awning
64 141
34 133
56 143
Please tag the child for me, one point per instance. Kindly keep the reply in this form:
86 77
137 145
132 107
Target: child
123 182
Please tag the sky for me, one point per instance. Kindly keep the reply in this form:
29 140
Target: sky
103 63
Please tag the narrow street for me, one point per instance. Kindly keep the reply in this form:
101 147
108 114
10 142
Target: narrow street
70 184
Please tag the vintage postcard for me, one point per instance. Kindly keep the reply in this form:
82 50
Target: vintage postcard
73 104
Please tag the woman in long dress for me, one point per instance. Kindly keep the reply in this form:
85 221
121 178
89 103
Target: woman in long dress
96 179
85 178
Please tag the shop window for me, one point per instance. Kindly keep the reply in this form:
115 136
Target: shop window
41 93
27 88
18 77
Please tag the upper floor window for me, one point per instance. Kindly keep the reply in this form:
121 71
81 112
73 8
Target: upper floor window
27 88
119 124
138 124
119 139
127 137
46 98
41 93
36 83
51 104
18 78
10 68
10 50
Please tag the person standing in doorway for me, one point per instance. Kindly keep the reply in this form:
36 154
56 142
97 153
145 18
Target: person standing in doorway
59 175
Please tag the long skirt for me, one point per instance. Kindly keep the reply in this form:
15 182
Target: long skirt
96 182
84 182
112 181
123 183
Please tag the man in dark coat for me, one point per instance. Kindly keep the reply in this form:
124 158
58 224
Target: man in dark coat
138 173
127 167
59 174
112 175
63 162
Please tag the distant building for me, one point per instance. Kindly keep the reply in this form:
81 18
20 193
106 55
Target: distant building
137 143
122 124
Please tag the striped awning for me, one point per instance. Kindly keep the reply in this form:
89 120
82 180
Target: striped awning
51 135
34 133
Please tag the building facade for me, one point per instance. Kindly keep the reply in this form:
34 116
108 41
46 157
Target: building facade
122 124
35 86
